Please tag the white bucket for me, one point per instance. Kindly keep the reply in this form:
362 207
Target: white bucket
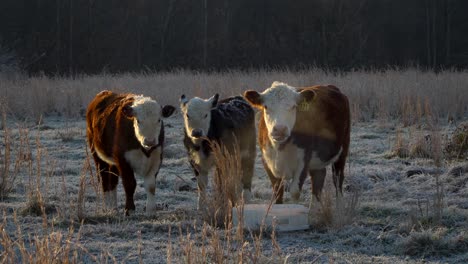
284 217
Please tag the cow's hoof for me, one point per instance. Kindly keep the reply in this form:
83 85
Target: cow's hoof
295 196
246 196
151 210
129 212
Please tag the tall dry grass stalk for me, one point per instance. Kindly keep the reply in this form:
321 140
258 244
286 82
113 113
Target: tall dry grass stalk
14 157
41 169
400 147
429 212
334 211
7 177
438 201
226 184
89 178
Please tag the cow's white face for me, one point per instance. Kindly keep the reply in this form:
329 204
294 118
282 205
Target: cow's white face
146 114
278 103
197 115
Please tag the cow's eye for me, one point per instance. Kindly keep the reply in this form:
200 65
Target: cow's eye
206 115
265 107
159 120
188 117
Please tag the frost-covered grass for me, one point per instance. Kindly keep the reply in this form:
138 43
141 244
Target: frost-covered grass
411 208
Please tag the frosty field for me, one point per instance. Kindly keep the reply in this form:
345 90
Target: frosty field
412 201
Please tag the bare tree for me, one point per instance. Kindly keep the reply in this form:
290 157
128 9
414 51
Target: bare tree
167 19
205 32
70 40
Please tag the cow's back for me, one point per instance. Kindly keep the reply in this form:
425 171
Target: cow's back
102 121
326 116
232 115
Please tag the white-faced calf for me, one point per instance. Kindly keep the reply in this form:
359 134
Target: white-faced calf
228 122
126 134
301 131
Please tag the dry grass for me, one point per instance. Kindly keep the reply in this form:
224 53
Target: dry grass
334 212
417 144
46 246
7 177
89 178
227 185
218 240
457 145
434 242
41 169
400 147
390 94
46 243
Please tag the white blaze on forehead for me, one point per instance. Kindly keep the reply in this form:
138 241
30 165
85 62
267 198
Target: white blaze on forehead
198 106
146 107
197 115
147 123
280 95
280 102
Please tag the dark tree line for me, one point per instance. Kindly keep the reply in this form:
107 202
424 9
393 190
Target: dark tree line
74 36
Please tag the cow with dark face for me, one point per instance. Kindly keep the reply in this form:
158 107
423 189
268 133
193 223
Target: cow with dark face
126 134
228 122
301 131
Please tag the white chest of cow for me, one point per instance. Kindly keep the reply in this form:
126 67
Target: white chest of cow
143 165
289 161
284 163
203 162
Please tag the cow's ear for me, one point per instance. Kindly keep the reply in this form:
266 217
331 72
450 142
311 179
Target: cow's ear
254 98
127 110
214 100
167 110
183 100
307 95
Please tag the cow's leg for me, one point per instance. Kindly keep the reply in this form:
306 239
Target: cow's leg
318 180
338 174
298 181
111 195
109 180
129 184
202 182
150 188
248 164
277 183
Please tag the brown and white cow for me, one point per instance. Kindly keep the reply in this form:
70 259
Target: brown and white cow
126 135
301 131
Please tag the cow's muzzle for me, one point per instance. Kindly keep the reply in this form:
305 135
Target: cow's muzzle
279 133
196 133
149 143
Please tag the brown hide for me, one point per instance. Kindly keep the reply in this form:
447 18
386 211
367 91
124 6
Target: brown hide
109 130
326 116
323 126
